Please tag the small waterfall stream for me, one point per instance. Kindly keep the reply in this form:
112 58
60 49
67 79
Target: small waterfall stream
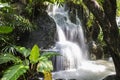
70 35
73 64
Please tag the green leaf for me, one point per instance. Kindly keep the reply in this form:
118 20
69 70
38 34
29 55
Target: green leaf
34 54
4 58
9 49
50 54
43 58
5 29
14 72
44 66
26 62
25 52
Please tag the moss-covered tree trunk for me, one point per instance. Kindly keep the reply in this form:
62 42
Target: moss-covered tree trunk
106 15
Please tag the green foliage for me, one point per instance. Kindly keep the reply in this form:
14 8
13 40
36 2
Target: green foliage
4 1
9 49
34 54
56 1
4 40
77 1
118 7
22 23
4 58
12 26
49 54
3 5
14 72
16 22
25 52
4 32
100 38
90 20
44 66
50 1
5 29
20 66
39 6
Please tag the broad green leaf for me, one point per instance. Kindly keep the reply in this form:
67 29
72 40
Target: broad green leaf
50 54
44 66
4 58
34 54
14 72
43 58
5 29
25 52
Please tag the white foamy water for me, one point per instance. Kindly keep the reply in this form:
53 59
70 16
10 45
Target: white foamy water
71 43
89 70
61 35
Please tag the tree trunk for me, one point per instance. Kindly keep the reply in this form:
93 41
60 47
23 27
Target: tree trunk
106 17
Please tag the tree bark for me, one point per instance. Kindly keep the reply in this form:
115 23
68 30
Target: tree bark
106 17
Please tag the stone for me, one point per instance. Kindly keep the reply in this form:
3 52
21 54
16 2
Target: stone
44 35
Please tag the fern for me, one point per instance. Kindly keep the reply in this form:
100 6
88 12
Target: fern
4 58
14 72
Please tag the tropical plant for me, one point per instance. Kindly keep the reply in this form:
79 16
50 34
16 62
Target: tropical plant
5 31
12 26
33 61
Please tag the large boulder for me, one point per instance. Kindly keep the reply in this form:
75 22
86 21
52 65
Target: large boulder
44 35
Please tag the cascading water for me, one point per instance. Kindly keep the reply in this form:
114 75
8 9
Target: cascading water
71 45
70 35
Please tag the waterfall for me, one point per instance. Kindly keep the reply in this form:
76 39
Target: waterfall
73 64
71 42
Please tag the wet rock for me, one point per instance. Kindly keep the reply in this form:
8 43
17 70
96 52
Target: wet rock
112 77
44 35
96 51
